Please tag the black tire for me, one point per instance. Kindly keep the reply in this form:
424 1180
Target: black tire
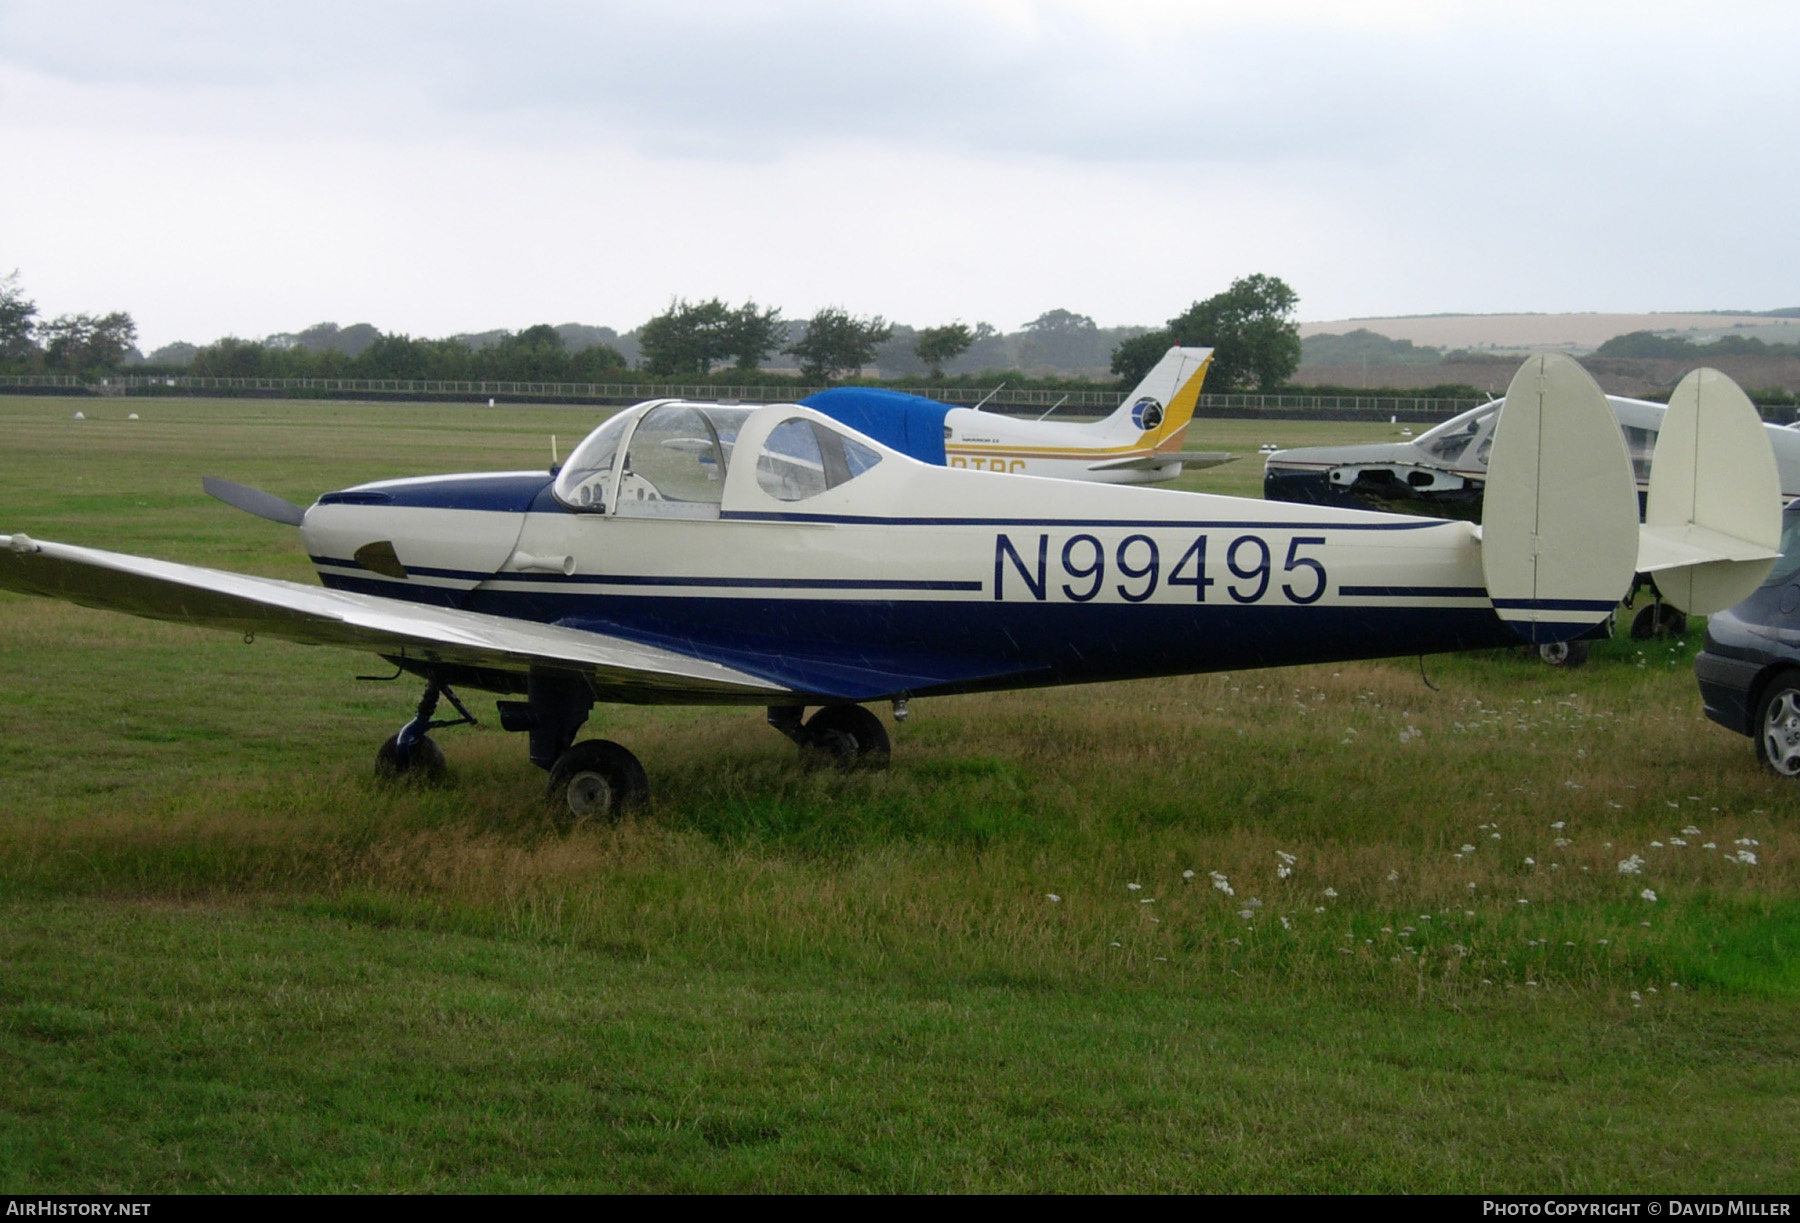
1776 726
1565 654
848 737
425 762
1658 620
596 780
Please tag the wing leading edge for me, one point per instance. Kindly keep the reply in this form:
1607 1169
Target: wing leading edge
620 670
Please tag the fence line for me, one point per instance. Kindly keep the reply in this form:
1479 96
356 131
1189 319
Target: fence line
1071 402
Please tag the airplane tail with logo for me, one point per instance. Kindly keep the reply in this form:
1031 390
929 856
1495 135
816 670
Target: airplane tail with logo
1160 408
1560 538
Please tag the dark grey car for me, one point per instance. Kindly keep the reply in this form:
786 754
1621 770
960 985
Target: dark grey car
1749 670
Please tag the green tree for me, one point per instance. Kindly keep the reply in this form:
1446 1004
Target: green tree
1062 339
79 343
754 334
16 313
230 357
938 346
1250 328
835 343
1135 357
687 338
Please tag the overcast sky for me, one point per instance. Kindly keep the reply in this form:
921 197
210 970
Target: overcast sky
437 167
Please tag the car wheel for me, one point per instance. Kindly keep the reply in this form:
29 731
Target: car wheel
1778 725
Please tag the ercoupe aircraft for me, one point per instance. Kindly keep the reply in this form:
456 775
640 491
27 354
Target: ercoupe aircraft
692 553
1442 471
1139 443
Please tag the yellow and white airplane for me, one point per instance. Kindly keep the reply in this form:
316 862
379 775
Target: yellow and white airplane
1139 443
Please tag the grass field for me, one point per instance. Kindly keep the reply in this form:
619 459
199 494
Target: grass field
1328 928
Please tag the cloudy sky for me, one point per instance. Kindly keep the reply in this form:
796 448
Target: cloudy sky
436 167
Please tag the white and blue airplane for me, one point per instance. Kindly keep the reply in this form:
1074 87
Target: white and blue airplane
694 553
1140 442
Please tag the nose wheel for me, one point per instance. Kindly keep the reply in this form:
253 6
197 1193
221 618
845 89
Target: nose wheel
410 752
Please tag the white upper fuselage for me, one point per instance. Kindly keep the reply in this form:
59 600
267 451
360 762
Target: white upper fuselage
897 576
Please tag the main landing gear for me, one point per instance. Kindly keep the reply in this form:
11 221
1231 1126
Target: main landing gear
597 779
843 737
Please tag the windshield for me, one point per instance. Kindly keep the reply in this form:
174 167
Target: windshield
1448 441
585 479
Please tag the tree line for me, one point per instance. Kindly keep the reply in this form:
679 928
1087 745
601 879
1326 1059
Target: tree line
1250 327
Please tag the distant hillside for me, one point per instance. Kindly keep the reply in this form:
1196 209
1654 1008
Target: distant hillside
1576 333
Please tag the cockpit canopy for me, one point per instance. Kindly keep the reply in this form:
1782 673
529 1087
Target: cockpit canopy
677 455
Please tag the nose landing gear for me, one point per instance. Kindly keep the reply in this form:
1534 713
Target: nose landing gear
410 752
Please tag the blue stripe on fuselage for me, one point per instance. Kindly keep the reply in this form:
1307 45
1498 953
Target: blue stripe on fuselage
867 649
508 492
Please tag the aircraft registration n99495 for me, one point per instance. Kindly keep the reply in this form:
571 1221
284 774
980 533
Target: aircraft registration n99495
693 553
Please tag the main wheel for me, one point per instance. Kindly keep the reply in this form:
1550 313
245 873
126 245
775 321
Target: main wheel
1658 620
596 780
423 762
849 737
1777 725
1564 653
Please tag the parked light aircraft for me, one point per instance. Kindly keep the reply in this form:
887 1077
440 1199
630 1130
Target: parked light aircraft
1443 470
694 553
1139 443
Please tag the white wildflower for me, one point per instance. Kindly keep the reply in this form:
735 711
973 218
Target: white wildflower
1633 865
1136 887
1053 898
1656 845
1393 876
1187 874
1330 893
1678 843
1745 856
1648 894
1531 862
1288 858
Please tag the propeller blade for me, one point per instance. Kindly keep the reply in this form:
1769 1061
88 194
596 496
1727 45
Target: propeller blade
253 501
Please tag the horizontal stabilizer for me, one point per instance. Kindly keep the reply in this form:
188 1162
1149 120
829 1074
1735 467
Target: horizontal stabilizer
1559 536
1672 547
1712 517
1191 460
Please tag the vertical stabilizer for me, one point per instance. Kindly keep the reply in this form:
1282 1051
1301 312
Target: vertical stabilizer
1712 517
1559 514
1159 409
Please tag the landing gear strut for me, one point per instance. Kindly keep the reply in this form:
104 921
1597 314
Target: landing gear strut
845 737
411 752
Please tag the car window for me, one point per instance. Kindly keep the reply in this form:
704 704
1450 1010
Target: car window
1789 565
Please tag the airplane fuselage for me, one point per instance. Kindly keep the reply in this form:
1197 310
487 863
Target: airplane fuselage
911 580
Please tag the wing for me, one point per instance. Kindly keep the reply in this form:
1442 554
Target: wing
621 670
1192 460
